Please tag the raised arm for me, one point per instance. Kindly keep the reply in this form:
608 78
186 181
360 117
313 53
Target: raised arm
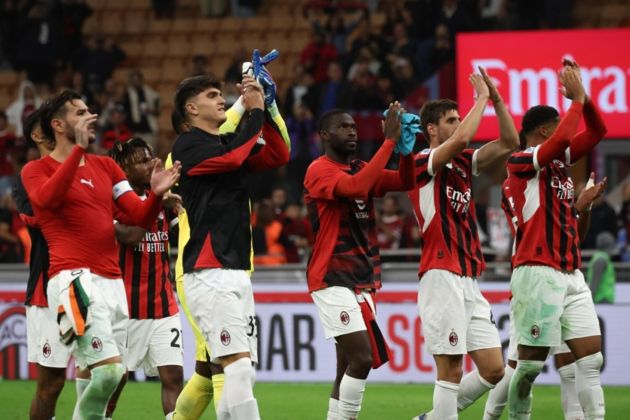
507 142
275 152
584 202
401 180
361 183
555 146
464 133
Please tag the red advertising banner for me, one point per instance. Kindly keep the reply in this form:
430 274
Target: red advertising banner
524 66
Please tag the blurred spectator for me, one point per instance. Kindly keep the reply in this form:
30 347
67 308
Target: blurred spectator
401 44
624 214
267 236
365 59
7 141
458 16
600 275
339 31
434 53
316 56
74 14
26 102
603 219
10 244
39 41
494 14
233 74
198 65
296 233
143 107
365 38
296 94
335 93
244 8
99 59
390 224
304 148
164 9
78 85
116 129
279 201
404 80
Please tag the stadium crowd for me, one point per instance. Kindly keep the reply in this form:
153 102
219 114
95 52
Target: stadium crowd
348 63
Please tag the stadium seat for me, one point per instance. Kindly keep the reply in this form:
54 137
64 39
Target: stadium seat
152 75
178 49
112 24
204 45
135 22
159 27
173 71
155 48
97 5
118 5
230 24
206 26
184 26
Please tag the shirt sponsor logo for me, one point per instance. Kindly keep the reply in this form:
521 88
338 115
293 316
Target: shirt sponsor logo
563 188
460 201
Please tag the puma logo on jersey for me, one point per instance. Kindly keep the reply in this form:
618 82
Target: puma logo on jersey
86 182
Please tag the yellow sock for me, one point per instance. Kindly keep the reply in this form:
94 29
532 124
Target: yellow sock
217 383
194 398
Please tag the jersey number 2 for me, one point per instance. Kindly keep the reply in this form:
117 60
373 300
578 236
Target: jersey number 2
175 341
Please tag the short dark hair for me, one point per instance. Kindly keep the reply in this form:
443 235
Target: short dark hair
432 111
55 108
193 86
326 121
177 121
534 118
33 119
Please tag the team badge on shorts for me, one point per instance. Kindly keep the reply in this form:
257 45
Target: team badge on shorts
344 317
453 339
535 331
225 337
97 344
46 350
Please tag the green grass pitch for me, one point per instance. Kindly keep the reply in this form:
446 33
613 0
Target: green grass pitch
289 401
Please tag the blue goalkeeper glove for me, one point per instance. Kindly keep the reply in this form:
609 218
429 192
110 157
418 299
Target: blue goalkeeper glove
258 70
410 126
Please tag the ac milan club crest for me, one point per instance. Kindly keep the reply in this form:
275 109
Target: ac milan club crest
535 331
344 317
97 344
46 350
453 338
225 337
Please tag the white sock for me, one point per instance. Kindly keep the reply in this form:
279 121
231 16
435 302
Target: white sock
589 388
471 388
498 396
333 409
169 416
520 392
223 411
350 397
568 390
445 400
80 385
239 390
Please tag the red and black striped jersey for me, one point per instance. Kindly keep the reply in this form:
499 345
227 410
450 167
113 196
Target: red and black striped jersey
543 199
39 258
444 207
212 186
147 272
507 205
346 251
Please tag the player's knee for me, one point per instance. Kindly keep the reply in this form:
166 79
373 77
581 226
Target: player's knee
361 362
52 387
591 364
241 371
107 377
493 374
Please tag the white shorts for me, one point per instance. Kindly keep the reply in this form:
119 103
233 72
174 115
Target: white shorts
106 335
456 318
339 310
42 334
154 343
513 347
551 306
222 304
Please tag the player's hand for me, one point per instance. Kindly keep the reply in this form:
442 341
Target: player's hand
479 85
84 131
571 63
589 195
163 179
392 126
571 82
172 201
253 97
495 96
